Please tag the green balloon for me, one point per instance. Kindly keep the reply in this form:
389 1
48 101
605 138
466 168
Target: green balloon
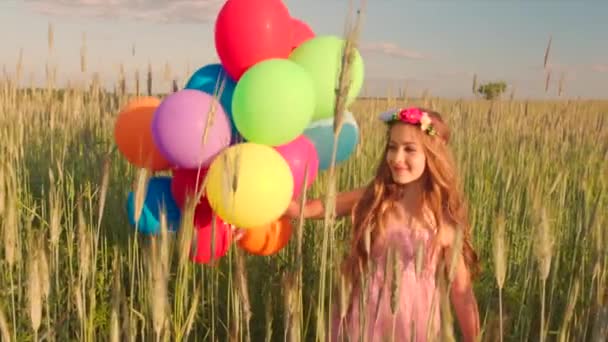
322 58
273 102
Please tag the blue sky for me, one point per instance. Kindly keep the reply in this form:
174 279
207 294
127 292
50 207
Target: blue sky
434 45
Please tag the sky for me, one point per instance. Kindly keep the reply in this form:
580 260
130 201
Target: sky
417 45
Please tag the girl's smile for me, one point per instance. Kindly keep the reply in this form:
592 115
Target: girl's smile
399 169
405 157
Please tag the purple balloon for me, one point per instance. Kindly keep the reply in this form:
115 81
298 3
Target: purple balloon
179 126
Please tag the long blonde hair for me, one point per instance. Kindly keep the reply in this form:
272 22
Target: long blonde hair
442 194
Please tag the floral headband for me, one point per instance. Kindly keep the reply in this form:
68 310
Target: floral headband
412 115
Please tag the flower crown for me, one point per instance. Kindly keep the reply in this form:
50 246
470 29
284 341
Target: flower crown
412 115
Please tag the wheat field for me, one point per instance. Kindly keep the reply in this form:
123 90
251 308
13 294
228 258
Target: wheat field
73 269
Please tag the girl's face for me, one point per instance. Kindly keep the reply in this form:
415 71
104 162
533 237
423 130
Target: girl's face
405 156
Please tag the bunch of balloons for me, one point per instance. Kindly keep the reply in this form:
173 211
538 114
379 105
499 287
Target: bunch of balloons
249 133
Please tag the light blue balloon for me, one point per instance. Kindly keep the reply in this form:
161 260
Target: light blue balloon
209 79
321 134
158 197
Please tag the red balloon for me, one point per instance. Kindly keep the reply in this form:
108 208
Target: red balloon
203 214
301 32
250 31
201 244
184 184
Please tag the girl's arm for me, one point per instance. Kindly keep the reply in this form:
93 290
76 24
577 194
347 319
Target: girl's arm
464 302
314 209
462 295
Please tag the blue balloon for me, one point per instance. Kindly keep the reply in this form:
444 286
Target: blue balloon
158 197
321 134
209 79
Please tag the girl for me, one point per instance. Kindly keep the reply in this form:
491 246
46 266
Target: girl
412 213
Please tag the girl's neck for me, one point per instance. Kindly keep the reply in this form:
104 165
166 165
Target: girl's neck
412 200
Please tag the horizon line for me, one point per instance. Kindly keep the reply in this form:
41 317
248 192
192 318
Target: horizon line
406 98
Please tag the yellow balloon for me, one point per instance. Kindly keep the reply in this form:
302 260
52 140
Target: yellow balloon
249 185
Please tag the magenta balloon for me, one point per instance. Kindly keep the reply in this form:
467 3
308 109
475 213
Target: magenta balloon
179 127
298 153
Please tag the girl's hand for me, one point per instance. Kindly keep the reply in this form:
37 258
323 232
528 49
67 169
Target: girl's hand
315 209
237 233
293 211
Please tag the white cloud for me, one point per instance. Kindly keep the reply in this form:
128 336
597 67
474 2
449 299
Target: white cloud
392 49
165 11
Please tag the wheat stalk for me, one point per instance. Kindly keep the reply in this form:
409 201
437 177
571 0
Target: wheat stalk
167 72
268 318
84 247
43 269
11 237
51 38
290 305
34 287
474 87
149 80
137 79
83 54
116 298
5 332
543 249
560 88
122 80
572 298
342 90
547 50
547 81
103 192
500 264
3 191
11 221
19 72
158 286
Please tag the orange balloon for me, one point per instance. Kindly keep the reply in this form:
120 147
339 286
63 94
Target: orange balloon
142 101
266 240
133 134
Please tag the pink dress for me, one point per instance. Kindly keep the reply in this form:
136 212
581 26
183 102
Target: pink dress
414 297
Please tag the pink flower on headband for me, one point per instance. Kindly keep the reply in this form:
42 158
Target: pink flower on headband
411 115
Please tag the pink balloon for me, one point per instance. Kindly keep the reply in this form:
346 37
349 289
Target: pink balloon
299 153
201 244
301 32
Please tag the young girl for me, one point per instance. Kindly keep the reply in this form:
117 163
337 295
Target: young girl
412 213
